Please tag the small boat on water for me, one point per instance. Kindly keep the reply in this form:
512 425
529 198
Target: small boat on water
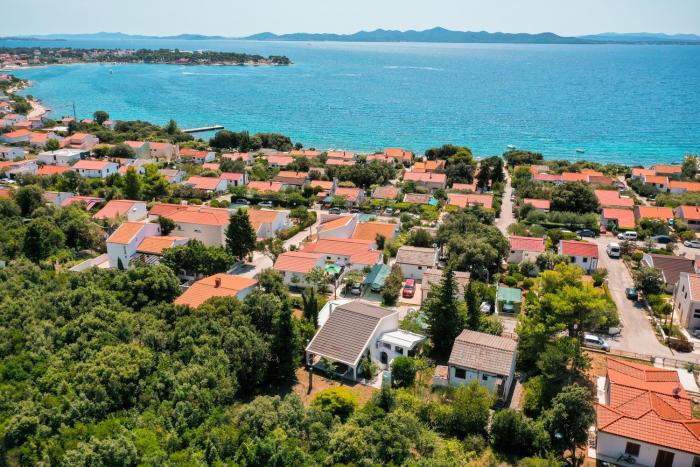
511 146
580 151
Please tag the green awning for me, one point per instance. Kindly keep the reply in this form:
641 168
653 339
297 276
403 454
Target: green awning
332 269
507 294
377 276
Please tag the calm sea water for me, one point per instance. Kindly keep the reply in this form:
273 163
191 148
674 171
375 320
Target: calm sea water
620 103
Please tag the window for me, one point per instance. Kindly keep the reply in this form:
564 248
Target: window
632 449
585 260
387 346
399 350
198 230
484 377
664 459
696 461
420 267
460 373
696 314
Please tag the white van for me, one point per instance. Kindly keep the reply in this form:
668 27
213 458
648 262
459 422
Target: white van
629 235
595 342
613 250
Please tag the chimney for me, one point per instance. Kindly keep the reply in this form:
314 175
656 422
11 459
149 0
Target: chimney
217 282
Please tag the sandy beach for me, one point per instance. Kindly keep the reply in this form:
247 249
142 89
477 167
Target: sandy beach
38 110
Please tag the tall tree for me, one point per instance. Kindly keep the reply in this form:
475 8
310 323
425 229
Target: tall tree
444 319
100 116
284 348
132 184
569 418
690 166
51 145
310 303
473 311
28 198
240 235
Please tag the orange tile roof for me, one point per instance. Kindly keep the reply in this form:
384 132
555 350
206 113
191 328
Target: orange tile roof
135 144
370 230
125 232
652 212
340 155
662 169
280 160
386 192
297 261
91 165
425 177
218 285
17 134
52 169
188 152
537 203
156 245
690 212
204 215
211 166
115 208
464 186
637 172
358 251
322 184
231 176
90 201
592 172
576 248
471 199
258 217
688 186
574 177
398 153
624 217
533 244
658 179
342 221
648 404
340 162
5 193
265 186
694 281
350 194
612 198
306 153
548 177
203 183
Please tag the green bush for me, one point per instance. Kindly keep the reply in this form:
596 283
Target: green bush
403 371
337 401
510 281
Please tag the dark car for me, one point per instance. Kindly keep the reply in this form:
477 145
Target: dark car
585 233
662 239
242 201
631 293
334 211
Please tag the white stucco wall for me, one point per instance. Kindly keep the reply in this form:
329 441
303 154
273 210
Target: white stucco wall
612 446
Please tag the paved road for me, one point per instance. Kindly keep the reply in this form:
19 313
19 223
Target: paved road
507 216
637 333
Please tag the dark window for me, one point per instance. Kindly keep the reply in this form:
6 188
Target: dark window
387 346
696 461
460 373
484 377
632 449
585 260
399 350
664 459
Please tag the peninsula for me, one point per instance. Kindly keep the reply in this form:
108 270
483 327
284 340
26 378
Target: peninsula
29 56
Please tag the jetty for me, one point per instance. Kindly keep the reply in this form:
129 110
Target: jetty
203 128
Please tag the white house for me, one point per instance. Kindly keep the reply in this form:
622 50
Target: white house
355 254
357 330
198 157
84 141
208 184
124 242
581 254
96 169
340 227
114 209
268 222
486 358
10 153
294 265
172 175
414 261
218 285
62 156
235 179
524 249
686 301
203 223
644 413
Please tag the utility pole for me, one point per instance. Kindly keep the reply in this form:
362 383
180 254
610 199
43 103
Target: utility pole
74 115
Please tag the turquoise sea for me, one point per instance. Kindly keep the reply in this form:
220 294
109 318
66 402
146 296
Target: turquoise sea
633 104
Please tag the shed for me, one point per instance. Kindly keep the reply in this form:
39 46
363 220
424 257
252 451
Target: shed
508 299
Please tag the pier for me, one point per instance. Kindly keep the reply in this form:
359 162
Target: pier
203 128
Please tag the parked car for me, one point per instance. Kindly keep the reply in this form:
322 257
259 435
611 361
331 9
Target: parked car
594 342
409 288
631 293
242 201
585 233
692 243
356 289
603 229
629 235
613 250
389 211
662 239
354 210
334 211
267 204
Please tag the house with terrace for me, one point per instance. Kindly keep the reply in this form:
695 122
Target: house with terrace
468 200
292 179
279 160
84 141
401 156
95 169
429 180
652 212
197 157
218 285
353 196
267 223
62 156
524 248
246 157
340 227
116 209
612 199
690 215
203 223
207 184
582 254
622 219
354 254
357 330
123 243
294 265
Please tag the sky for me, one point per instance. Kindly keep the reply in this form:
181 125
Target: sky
238 18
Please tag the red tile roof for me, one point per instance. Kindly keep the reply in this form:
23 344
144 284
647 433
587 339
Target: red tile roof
651 212
203 183
690 212
471 199
537 203
574 177
192 214
370 230
350 194
91 165
637 172
425 177
125 233
624 217
662 169
265 186
386 192
658 179
358 251
687 186
52 169
115 208
156 245
612 198
576 248
518 243
297 261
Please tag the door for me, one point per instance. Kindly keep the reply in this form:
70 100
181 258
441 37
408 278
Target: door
384 358
664 459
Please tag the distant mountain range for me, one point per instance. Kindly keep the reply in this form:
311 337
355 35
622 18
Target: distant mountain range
383 35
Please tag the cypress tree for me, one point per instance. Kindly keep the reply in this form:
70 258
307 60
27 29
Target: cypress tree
473 312
240 235
445 322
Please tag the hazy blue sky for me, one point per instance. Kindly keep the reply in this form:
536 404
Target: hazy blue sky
238 18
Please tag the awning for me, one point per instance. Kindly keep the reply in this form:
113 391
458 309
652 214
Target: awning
377 276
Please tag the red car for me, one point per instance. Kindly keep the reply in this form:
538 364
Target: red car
409 288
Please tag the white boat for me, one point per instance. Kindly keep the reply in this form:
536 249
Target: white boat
580 151
511 146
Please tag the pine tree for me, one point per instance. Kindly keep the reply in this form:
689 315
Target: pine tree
310 301
132 184
240 235
473 312
286 357
445 322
